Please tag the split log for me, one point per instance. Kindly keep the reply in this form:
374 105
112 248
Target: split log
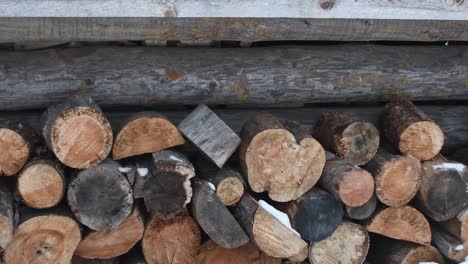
41 183
272 235
211 253
315 215
457 226
44 239
285 163
449 246
145 132
165 183
390 251
174 241
16 142
79 260
210 134
347 182
411 131
214 218
7 216
348 244
77 132
101 197
362 212
397 178
229 186
349 137
404 223
113 243
443 189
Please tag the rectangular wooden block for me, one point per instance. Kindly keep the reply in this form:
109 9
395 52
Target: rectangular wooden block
210 134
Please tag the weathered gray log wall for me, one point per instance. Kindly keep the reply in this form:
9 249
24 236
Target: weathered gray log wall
452 119
127 76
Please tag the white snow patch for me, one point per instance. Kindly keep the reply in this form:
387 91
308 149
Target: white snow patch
142 171
172 157
212 186
282 217
452 166
459 247
125 169
466 261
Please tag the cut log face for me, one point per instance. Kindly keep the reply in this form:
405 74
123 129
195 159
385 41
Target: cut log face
210 134
113 243
44 239
404 223
229 186
348 244
277 161
145 132
214 218
315 215
397 178
211 253
174 241
347 182
443 189
166 188
41 184
16 143
6 217
362 212
409 129
101 197
349 137
77 132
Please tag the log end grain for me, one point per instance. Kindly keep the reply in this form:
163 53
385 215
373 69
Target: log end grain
358 142
230 190
398 181
44 239
362 212
423 140
81 137
41 184
145 134
15 152
423 254
404 223
356 188
174 241
348 244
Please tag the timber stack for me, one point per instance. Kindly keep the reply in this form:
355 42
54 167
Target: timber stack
156 191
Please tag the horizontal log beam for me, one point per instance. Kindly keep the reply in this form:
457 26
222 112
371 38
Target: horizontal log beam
450 118
129 76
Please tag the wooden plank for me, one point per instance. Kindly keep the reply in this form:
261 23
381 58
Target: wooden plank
129 76
452 119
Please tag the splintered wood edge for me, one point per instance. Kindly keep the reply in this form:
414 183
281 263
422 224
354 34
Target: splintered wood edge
300 178
423 253
275 239
62 235
159 134
403 223
230 190
41 185
397 185
349 145
349 243
423 140
15 152
84 154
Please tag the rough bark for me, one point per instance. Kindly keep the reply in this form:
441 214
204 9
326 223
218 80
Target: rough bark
17 141
397 178
77 132
457 226
411 131
442 194
347 182
348 244
229 186
449 246
145 132
100 197
165 187
7 216
174 241
295 160
362 212
349 137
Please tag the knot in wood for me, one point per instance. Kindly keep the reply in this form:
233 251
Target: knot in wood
326 4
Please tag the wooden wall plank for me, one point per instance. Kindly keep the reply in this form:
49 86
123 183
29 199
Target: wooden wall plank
127 76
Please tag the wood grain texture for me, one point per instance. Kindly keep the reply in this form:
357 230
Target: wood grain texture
162 76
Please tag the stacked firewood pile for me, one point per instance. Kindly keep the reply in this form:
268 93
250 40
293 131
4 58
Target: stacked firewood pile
348 191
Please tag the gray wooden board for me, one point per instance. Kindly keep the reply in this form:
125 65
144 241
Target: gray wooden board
128 76
452 119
